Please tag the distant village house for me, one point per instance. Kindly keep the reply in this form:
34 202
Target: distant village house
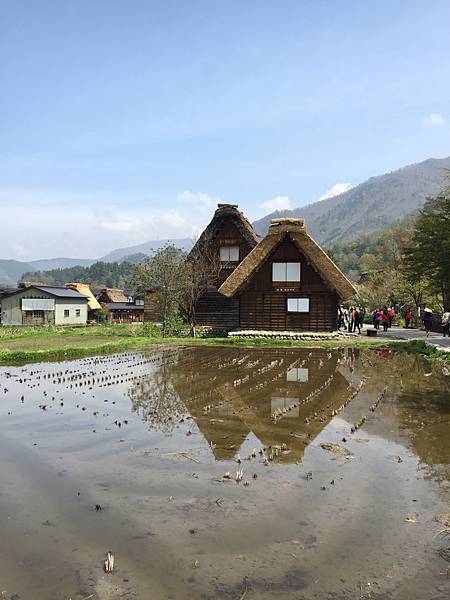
122 306
43 305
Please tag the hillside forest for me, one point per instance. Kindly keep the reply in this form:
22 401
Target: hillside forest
100 274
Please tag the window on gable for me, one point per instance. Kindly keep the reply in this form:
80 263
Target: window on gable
298 305
229 253
285 271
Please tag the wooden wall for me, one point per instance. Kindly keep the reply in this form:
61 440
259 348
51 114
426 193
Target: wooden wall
263 304
229 235
151 310
213 309
218 312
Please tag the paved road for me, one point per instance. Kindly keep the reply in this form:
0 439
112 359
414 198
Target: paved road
400 333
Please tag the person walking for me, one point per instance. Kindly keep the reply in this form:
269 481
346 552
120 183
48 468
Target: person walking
356 320
362 314
385 319
446 323
408 317
351 321
377 317
391 315
427 320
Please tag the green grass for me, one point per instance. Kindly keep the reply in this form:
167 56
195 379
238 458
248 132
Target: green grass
420 347
35 344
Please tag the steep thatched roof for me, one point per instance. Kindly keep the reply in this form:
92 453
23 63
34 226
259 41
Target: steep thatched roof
115 294
85 290
231 213
293 229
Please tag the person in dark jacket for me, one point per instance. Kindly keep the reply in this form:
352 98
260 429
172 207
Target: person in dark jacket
427 320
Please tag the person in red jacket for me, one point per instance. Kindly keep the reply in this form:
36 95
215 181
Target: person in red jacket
385 319
391 315
408 317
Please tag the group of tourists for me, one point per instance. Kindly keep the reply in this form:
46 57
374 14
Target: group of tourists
383 316
352 318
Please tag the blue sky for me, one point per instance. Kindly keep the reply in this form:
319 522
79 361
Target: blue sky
126 121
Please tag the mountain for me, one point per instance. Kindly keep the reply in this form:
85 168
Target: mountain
370 206
145 248
11 271
47 264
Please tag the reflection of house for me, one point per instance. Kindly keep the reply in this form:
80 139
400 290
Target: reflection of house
121 305
229 237
44 305
231 395
287 282
85 290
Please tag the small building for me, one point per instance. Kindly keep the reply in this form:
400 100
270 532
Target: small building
287 282
44 305
230 237
121 305
93 304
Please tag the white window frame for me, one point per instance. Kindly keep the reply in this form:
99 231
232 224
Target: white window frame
297 374
283 272
298 305
229 253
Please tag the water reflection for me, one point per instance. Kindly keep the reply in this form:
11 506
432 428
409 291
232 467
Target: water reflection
138 434
283 397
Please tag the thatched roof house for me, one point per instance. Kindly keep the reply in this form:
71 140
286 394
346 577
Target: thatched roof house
85 290
108 295
228 227
229 237
287 282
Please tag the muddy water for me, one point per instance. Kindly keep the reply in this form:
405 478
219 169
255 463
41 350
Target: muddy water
148 437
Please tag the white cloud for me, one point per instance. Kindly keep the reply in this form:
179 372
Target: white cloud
74 229
198 198
335 190
435 120
278 203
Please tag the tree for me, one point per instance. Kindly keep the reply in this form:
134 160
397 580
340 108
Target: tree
201 272
165 274
428 254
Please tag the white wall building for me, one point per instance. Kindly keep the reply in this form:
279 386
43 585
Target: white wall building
44 305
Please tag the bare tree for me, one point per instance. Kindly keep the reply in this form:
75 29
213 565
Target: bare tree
201 273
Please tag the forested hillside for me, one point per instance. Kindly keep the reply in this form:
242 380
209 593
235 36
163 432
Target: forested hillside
370 206
372 252
108 274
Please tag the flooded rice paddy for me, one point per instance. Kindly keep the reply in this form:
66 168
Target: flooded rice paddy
343 459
